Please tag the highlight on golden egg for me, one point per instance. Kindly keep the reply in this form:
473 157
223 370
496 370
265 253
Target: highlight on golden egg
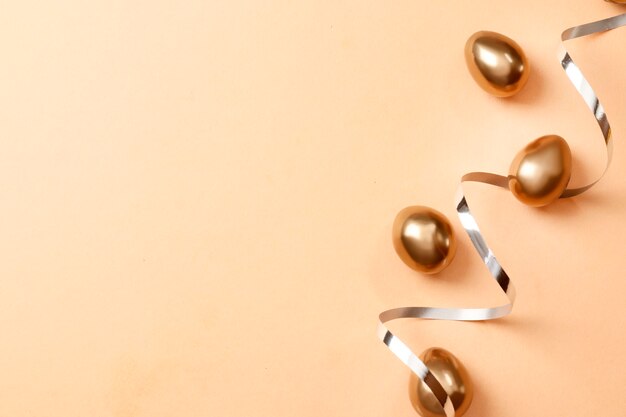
454 379
423 238
541 171
497 63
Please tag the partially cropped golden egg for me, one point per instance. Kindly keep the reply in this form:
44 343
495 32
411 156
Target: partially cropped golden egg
423 238
453 378
617 1
541 171
497 63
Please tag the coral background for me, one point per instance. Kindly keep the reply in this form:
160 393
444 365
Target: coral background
197 197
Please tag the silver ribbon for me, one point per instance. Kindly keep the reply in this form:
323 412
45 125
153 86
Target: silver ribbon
397 346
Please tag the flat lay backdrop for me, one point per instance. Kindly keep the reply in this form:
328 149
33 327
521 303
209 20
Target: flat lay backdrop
197 198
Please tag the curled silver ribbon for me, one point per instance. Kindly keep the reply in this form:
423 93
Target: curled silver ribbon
397 346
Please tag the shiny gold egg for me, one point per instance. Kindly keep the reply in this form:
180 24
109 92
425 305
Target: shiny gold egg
454 379
497 63
423 238
541 171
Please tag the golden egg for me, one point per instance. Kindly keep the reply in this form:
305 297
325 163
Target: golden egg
541 171
497 63
453 378
423 238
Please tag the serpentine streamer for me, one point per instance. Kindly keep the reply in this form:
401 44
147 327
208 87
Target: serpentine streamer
397 346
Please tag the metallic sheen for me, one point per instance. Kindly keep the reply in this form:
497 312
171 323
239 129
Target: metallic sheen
395 344
497 63
423 239
541 171
455 381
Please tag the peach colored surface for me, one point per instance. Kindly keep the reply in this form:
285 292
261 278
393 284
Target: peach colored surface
197 199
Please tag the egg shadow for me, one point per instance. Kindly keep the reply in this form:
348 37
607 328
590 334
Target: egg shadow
571 205
464 261
533 91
